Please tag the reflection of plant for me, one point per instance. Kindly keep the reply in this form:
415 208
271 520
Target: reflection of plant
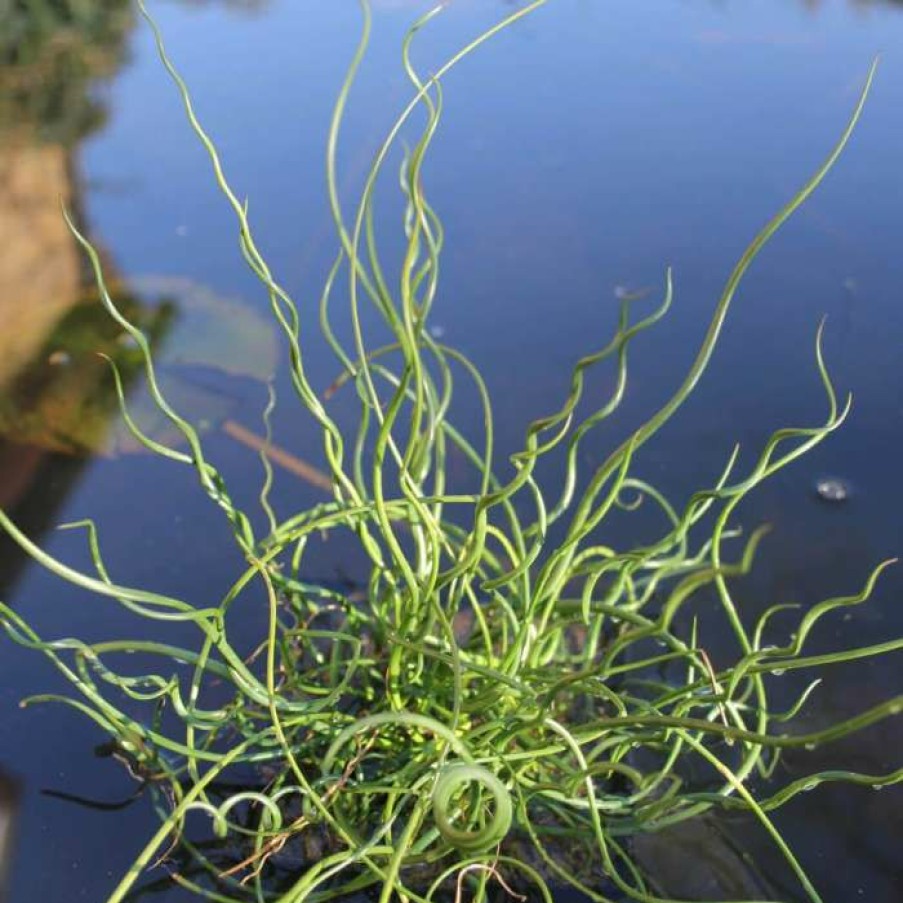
497 703
61 400
50 52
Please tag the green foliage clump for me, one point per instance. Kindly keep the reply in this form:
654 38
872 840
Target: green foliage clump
51 51
494 705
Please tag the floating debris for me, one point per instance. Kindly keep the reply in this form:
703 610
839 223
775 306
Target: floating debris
623 293
212 330
831 489
59 358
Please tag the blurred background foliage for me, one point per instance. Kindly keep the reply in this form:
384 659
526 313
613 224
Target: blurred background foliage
52 52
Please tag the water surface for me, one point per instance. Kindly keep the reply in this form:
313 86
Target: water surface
580 154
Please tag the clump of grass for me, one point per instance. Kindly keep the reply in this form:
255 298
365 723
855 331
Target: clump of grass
496 706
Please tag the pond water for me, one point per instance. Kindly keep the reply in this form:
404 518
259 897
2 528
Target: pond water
580 154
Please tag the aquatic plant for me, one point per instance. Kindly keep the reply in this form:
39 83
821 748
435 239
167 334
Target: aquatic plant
494 705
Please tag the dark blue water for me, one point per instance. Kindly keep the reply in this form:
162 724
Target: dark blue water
580 153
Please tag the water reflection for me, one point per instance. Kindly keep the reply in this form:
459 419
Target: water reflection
816 5
56 394
46 166
57 401
9 805
50 59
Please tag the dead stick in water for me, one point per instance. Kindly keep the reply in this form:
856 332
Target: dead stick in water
292 463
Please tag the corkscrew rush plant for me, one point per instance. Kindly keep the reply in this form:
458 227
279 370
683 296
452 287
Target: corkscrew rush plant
496 706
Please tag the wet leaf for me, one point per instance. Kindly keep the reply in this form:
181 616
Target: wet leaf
213 331
63 400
